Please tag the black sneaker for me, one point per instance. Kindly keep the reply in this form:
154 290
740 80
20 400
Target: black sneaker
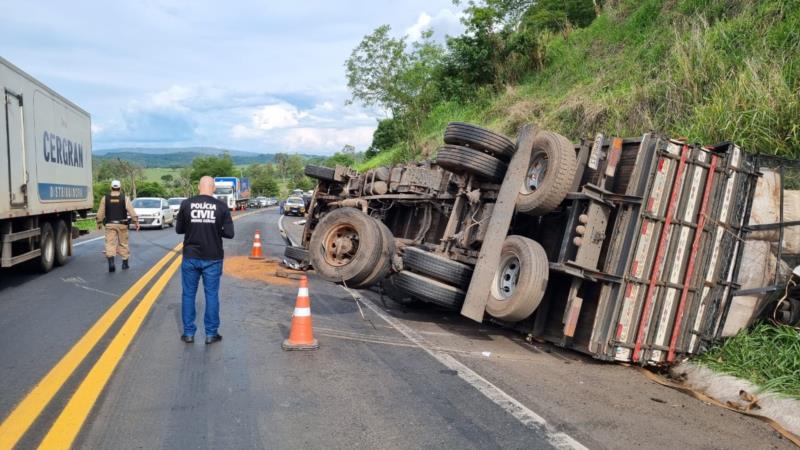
212 339
188 339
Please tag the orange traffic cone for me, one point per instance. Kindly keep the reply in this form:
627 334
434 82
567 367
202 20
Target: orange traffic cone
255 253
301 335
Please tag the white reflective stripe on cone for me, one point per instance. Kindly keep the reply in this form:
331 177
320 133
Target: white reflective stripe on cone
302 312
302 292
256 244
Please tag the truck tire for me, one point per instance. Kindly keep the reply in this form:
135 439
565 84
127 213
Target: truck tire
459 159
520 280
47 243
550 174
464 134
298 254
430 290
345 246
389 288
384 264
61 243
319 172
436 266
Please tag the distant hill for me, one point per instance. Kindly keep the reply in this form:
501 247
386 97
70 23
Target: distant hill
167 150
180 158
183 156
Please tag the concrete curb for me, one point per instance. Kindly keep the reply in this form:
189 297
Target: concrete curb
725 389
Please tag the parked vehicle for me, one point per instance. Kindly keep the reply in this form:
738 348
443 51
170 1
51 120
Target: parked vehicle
154 212
272 201
235 192
253 203
46 171
294 206
175 204
565 242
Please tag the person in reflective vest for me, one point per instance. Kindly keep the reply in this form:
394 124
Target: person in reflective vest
113 214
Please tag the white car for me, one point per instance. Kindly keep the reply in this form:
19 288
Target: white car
175 204
153 212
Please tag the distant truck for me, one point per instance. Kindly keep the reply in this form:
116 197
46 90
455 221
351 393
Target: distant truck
46 166
235 192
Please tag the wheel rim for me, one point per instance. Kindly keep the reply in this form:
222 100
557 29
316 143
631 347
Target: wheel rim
62 244
48 250
537 171
505 282
340 245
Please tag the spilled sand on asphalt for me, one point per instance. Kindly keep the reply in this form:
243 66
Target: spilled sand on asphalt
265 271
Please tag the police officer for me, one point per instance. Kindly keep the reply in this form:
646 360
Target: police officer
113 213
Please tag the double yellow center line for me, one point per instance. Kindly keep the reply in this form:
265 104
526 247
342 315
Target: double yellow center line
65 429
28 410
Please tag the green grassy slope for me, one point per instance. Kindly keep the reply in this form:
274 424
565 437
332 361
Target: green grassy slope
707 70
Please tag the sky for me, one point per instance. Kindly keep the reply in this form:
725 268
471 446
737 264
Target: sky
261 76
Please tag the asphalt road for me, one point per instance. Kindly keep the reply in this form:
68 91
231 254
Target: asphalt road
384 377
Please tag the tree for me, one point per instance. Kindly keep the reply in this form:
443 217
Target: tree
374 67
265 185
110 169
213 166
167 178
151 189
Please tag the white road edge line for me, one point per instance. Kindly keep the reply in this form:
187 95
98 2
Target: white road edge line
508 403
86 242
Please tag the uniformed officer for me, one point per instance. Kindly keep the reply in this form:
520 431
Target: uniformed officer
113 213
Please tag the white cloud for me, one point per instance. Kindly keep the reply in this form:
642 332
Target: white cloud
445 22
328 139
281 115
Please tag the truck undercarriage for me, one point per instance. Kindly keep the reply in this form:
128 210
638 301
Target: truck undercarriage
625 249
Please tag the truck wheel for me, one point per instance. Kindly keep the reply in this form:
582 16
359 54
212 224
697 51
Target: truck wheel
520 280
437 266
298 254
550 174
47 244
459 133
384 264
319 172
430 290
390 289
346 246
61 243
459 159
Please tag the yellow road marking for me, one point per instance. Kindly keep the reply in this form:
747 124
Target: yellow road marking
17 423
65 429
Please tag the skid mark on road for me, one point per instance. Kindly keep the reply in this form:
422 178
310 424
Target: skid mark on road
81 283
511 405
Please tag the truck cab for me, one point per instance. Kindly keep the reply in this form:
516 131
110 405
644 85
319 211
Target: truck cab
225 191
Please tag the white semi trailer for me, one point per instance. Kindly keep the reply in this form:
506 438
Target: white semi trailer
45 170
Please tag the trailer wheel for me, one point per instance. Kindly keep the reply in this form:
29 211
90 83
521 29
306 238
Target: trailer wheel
47 244
436 266
384 264
298 254
550 174
319 172
459 159
520 280
345 246
459 133
61 243
399 296
430 290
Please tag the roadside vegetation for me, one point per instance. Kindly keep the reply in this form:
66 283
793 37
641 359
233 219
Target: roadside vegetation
708 70
767 355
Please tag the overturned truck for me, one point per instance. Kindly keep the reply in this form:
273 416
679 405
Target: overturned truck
627 249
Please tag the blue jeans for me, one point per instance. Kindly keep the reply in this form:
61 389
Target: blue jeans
191 271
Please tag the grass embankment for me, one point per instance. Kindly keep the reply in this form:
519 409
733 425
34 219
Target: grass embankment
85 224
708 70
767 355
